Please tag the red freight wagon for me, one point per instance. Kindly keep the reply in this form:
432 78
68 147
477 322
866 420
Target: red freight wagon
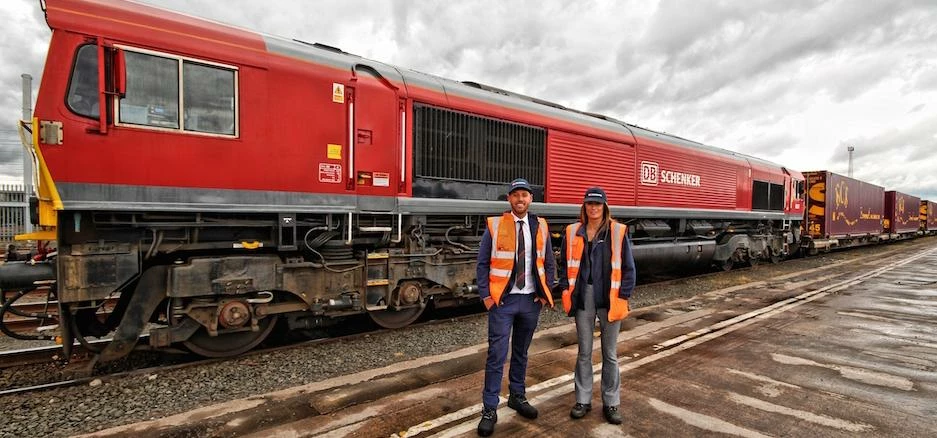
928 216
900 215
842 211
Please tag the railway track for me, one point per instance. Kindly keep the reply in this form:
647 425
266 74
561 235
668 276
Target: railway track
39 301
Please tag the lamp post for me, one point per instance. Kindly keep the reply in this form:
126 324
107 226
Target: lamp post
27 157
850 149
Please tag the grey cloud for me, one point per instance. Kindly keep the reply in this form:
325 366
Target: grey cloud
739 75
926 80
23 49
899 159
702 53
766 146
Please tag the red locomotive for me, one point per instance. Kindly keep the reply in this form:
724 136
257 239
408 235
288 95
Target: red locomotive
220 181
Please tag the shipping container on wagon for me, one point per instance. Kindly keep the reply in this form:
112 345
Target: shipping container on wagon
842 207
900 215
928 216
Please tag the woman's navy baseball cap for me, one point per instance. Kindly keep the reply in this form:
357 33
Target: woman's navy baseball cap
595 194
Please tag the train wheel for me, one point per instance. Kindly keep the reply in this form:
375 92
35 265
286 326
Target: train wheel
394 319
775 257
753 261
727 265
229 344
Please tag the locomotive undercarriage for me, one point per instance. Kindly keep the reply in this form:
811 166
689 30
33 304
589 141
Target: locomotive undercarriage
677 244
217 284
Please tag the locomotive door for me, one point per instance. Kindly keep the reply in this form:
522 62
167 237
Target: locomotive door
376 140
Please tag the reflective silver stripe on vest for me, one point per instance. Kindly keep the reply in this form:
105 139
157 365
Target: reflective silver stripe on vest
617 230
545 232
571 231
500 272
493 225
501 254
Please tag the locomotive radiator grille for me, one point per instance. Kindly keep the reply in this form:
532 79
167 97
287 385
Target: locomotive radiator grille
465 156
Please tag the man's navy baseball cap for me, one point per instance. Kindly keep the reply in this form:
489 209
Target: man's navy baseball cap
595 194
520 184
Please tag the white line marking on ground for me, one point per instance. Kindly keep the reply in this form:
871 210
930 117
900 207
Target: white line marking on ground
769 387
704 422
851 373
863 315
822 420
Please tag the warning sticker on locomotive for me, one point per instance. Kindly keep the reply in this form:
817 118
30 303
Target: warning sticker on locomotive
381 179
335 151
338 93
330 173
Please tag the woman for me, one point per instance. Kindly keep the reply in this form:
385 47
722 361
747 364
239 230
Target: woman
596 274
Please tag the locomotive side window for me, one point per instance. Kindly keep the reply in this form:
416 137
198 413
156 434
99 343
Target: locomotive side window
83 85
209 98
152 91
178 93
776 197
767 196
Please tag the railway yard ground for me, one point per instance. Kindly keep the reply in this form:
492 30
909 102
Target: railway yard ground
841 344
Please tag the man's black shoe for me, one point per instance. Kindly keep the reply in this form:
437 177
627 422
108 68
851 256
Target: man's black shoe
611 414
580 410
487 425
519 403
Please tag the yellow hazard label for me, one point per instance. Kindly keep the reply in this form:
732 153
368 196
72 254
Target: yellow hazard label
335 151
338 93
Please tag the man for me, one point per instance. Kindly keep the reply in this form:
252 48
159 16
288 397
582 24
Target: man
515 273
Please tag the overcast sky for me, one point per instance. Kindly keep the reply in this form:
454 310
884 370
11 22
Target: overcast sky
794 81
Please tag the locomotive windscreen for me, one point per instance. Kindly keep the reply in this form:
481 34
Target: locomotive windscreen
465 156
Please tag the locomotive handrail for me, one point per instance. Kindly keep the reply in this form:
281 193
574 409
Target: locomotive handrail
44 187
21 128
385 81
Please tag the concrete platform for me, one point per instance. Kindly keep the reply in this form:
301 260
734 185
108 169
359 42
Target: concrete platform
843 352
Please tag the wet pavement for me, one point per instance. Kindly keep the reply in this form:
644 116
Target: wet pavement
839 352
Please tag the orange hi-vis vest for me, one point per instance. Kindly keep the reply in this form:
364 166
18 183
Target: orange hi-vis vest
503 232
575 246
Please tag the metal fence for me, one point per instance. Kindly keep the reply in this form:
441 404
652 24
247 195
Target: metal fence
14 213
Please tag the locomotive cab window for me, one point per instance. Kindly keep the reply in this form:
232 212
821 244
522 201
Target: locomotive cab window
175 93
82 96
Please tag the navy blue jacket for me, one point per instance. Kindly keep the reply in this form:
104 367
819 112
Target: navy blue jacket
600 262
484 262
